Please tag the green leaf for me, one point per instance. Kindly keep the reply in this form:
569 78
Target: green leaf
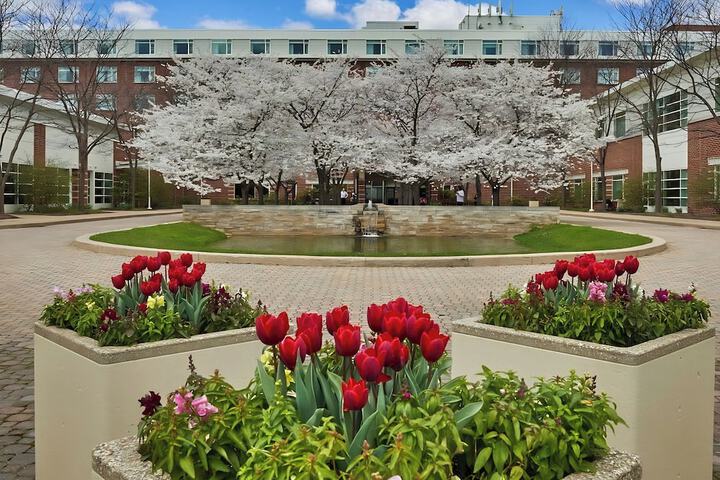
187 465
369 426
266 382
516 473
316 419
482 459
465 414
411 381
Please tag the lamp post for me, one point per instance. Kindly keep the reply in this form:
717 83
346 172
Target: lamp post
592 188
149 205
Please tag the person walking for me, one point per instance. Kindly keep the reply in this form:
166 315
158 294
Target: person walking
343 196
460 196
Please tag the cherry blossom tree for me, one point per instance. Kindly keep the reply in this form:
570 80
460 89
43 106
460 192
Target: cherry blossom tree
515 123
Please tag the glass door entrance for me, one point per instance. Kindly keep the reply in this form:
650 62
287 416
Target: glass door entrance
380 190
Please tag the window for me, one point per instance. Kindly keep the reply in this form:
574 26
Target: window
105 47
143 101
607 49
68 99
684 48
570 76
598 188
106 74
30 74
569 48
105 102
298 47
639 72
68 74
27 47
375 47
618 187
182 47
260 47
608 76
337 47
414 46
144 74
672 111
68 47
619 129
529 48
18 185
372 70
492 47
103 187
144 47
454 47
674 188
645 50
222 47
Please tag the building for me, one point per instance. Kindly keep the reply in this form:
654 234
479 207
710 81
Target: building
591 61
689 140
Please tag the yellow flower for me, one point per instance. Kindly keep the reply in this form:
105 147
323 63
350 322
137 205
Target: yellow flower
288 377
90 305
156 301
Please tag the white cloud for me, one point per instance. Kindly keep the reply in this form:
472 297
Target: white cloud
138 14
222 24
296 25
321 8
373 10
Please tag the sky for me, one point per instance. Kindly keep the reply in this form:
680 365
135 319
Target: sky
585 14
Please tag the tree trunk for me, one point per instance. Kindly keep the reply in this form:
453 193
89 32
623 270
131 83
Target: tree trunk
495 194
322 185
82 171
604 186
478 190
3 179
261 197
132 180
245 189
658 178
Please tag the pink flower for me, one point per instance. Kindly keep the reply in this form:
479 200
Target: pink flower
597 291
203 408
182 402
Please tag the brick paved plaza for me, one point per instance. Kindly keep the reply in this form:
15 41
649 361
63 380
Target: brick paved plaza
34 260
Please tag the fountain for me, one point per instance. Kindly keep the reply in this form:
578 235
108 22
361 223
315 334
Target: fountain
370 223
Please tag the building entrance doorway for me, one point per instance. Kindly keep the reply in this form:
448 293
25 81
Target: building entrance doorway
380 190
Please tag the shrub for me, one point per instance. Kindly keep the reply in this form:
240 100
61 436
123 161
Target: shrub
633 196
372 413
597 303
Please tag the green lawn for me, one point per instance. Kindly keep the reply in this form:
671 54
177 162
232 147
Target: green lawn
575 238
550 238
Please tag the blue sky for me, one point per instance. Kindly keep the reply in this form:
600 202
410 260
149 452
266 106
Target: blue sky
589 14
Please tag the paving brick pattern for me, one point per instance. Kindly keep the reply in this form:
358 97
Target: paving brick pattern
34 260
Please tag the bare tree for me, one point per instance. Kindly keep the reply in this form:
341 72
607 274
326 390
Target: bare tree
77 44
563 44
20 105
610 120
647 28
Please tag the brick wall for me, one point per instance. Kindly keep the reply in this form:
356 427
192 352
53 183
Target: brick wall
703 143
39 145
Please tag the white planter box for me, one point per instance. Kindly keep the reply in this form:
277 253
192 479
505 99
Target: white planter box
119 460
663 388
86 394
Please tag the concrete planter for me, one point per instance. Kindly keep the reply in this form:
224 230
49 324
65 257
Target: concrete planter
119 460
663 388
86 394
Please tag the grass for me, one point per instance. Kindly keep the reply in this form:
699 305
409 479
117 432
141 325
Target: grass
575 238
549 238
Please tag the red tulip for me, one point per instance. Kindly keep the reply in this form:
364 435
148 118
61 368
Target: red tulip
606 275
355 395
173 285
347 340
288 351
148 288
395 324
392 350
164 257
561 267
375 318
336 317
585 274
416 325
573 269
433 344
310 324
312 338
415 310
128 272
118 281
619 269
186 259
369 365
550 282
188 279
199 269
271 330
142 308
153 264
139 263
399 305
631 264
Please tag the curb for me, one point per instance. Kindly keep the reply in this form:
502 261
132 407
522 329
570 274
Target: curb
94 218
629 217
655 246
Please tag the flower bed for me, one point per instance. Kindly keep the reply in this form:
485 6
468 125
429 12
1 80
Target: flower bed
155 298
100 349
653 354
373 409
